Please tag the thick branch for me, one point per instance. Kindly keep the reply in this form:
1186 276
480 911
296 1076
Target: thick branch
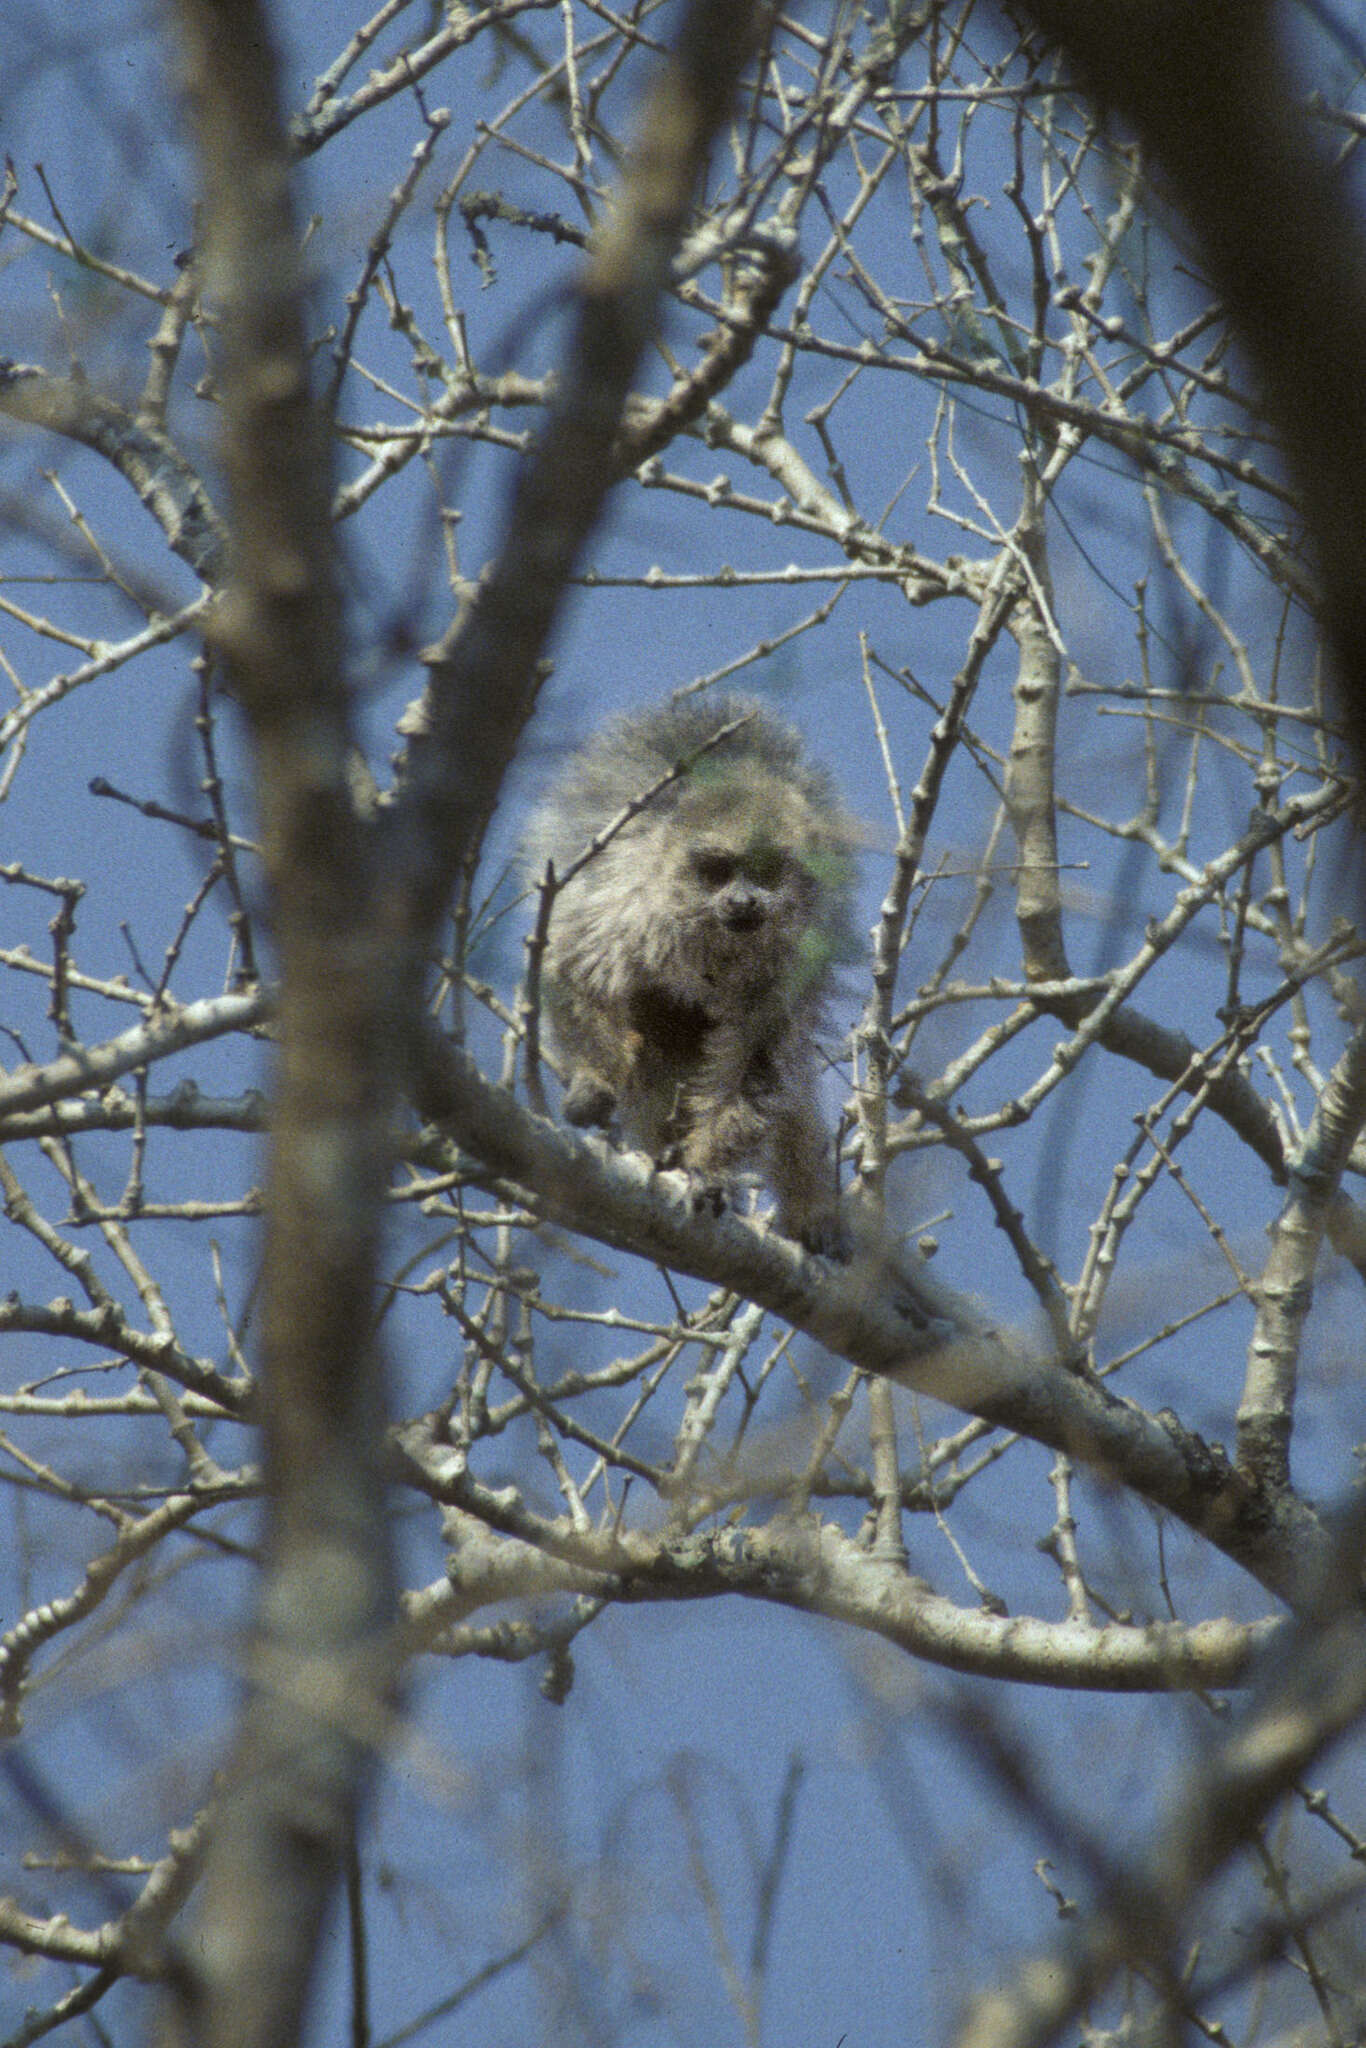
168 485
95 1067
906 1328
814 1569
304 1747
1267 1408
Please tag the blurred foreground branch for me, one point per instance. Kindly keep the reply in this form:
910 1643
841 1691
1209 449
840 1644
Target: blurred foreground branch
354 918
1211 91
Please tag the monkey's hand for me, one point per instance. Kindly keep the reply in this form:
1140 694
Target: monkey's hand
589 1100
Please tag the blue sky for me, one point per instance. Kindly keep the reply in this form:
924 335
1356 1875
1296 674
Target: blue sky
909 1879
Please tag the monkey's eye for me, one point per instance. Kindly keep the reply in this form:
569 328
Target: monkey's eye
713 868
765 866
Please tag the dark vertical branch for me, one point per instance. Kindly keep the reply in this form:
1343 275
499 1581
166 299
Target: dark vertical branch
317 1663
1209 90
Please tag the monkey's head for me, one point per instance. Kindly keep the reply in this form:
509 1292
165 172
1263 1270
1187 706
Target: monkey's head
728 884
743 887
754 878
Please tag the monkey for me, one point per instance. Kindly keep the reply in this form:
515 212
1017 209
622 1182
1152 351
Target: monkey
691 951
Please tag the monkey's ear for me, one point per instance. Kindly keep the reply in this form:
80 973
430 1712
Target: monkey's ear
832 867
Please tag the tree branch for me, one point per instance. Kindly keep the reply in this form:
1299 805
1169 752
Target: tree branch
903 1325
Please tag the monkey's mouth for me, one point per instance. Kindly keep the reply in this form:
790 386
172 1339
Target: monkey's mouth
742 916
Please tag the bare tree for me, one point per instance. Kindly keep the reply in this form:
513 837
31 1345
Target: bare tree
918 412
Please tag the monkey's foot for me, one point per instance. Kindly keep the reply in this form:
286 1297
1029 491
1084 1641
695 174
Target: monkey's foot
708 1197
707 1193
828 1236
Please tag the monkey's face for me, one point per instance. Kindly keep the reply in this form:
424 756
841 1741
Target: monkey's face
743 889
740 853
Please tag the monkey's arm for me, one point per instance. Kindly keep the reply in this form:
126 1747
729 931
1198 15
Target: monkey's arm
601 1049
755 1104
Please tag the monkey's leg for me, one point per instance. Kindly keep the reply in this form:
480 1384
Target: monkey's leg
720 1138
725 1105
801 1171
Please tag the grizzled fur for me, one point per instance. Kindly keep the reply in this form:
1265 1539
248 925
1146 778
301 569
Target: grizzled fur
689 957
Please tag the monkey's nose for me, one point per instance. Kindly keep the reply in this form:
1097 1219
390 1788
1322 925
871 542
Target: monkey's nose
741 910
